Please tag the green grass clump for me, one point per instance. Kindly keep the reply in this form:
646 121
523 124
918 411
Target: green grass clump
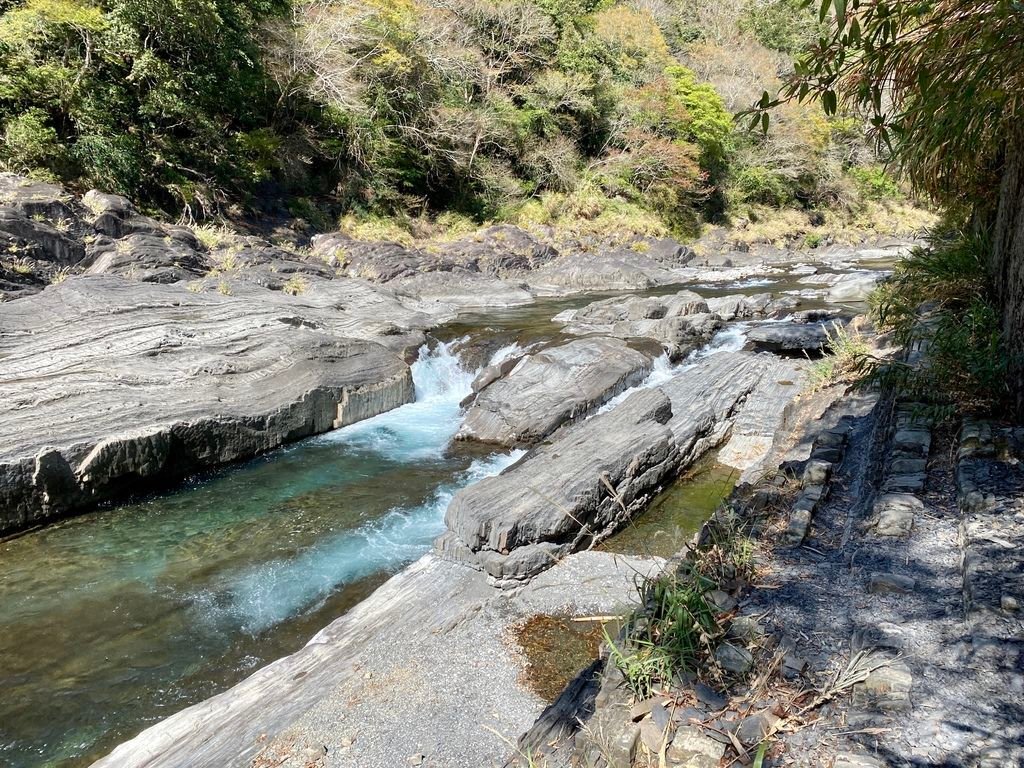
848 356
941 298
669 635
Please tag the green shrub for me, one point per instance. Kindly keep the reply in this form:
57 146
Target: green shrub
782 25
941 297
758 185
874 183
30 142
673 630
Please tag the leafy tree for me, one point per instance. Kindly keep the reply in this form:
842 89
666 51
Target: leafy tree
154 98
941 84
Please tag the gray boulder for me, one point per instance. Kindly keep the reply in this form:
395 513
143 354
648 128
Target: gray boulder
608 271
740 307
148 258
548 388
501 251
375 261
680 323
791 337
565 494
466 290
708 397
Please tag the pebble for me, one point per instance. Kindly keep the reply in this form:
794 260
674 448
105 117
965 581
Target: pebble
1009 603
734 659
709 697
753 729
887 583
661 717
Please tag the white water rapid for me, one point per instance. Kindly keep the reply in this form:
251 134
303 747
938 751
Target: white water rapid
418 432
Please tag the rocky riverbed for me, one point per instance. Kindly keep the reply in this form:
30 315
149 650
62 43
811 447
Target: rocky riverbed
136 354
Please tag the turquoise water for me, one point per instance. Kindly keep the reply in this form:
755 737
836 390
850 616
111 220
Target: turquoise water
116 619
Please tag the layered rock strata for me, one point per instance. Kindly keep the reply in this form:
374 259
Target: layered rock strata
587 480
551 387
111 386
680 323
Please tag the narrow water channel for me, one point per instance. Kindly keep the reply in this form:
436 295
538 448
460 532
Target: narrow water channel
119 618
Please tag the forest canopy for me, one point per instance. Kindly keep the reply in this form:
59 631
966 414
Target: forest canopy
517 110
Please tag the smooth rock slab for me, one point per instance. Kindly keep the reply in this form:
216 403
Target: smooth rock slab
571 491
791 337
680 323
366 686
549 388
717 391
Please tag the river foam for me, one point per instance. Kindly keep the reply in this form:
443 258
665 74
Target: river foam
277 590
732 338
419 431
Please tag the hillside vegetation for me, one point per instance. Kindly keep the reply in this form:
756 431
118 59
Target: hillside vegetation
579 113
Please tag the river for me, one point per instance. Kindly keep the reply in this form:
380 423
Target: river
118 618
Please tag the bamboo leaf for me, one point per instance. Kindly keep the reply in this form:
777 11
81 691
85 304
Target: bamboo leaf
759 757
840 6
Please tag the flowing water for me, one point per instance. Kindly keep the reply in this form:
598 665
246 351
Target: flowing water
119 618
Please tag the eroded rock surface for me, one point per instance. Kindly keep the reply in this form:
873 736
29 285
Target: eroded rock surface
680 323
110 385
565 494
587 480
791 337
548 388
372 701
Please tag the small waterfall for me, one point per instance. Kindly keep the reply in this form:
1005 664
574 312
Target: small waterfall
730 339
506 352
421 429
272 592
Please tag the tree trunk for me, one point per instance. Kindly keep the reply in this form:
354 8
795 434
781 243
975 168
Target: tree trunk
1008 262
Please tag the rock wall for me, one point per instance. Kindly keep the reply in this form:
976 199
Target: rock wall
111 386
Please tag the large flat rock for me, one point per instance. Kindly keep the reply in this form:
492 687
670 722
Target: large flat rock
766 414
426 665
549 388
587 480
110 385
681 323
708 397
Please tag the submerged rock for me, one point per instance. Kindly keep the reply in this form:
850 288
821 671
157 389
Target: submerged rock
548 388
